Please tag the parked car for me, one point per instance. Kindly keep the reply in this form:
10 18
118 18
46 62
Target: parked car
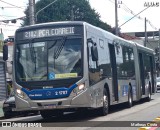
158 83
9 106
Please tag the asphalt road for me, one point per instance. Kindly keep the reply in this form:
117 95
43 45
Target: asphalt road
120 117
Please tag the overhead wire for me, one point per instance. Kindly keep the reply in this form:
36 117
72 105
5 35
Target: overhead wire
6 16
128 10
111 1
3 7
11 4
8 25
139 17
19 18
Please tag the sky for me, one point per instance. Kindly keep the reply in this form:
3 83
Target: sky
106 9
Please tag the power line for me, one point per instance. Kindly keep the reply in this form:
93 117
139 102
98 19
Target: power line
11 4
20 18
2 16
112 1
127 9
134 16
4 29
131 12
10 7
9 25
7 16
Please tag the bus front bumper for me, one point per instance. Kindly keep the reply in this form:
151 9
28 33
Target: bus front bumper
81 100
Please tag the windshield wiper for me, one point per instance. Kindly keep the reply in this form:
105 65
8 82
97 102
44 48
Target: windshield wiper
59 49
33 54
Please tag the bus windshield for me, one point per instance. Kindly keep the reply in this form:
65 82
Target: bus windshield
49 60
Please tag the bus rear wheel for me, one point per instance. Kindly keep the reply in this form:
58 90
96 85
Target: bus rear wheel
105 108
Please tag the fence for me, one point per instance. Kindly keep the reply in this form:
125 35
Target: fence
3 84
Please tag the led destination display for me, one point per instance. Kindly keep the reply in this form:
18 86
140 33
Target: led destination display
49 32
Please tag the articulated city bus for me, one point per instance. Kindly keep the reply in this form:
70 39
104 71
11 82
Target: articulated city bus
71 65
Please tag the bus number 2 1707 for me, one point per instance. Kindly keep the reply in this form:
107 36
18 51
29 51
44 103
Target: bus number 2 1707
61 92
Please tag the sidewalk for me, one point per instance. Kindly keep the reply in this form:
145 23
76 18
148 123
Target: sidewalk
1 111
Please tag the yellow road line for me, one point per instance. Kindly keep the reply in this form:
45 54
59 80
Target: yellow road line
144 128
153 124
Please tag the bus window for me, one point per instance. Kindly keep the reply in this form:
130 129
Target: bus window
126 69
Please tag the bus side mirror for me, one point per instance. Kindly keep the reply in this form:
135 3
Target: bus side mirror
94 53
5 52
94 50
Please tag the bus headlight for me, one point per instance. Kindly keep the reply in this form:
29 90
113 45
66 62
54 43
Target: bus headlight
80 88
21 94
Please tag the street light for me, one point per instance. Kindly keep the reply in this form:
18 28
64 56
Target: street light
44 8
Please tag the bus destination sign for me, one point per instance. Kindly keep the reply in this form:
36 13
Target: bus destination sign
39 33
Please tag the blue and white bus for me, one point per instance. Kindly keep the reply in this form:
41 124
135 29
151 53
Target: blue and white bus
72 65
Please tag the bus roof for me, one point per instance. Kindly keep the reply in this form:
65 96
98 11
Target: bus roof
107 34
49 24
100 31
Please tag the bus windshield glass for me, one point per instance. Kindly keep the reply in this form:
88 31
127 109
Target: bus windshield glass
49 60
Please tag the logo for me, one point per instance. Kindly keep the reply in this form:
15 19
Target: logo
6 124
51 76
48 93
46 87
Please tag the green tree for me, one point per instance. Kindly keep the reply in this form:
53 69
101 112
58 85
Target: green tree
67 10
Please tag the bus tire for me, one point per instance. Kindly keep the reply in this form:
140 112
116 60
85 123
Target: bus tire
130 98
149 94
105 108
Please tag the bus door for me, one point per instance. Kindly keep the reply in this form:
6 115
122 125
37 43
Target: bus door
152 73
114 71
141 66
148 71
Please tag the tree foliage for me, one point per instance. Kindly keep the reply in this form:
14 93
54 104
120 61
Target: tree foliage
67 10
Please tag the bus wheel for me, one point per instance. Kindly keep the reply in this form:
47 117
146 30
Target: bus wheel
149 94
130 98
105 108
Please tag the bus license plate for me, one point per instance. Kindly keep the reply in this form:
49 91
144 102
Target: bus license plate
50 106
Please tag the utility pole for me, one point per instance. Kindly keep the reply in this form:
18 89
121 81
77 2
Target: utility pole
145 23
31 12
116 18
